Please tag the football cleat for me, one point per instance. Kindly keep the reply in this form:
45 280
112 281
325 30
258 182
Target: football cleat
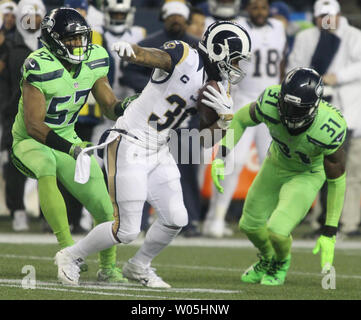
145 275
20 221
255 273
276 273
111 275
214 228
68 268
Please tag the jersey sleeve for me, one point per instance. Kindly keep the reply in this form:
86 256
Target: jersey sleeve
331 132
98 61
178 51
266 106
38 70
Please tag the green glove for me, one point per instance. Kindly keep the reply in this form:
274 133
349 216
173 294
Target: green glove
128 100
76 148
217 173
327 246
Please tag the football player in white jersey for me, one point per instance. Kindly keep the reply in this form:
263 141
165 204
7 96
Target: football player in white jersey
266 68
138 162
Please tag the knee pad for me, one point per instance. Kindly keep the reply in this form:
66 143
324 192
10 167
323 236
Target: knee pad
249 223
178 217
125 237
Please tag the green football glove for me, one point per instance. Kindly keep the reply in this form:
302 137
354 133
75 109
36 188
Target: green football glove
217 173
76 148
126 101
327 246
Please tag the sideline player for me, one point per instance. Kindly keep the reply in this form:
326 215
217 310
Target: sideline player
308 134
56 82
138 162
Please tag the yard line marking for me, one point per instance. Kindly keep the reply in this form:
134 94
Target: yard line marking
88 285
98 292
32 238
210 268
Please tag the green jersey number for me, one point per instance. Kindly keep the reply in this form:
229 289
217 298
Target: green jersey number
58 117
287 152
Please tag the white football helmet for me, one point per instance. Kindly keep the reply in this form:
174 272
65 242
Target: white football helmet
113 7
224 9
223 42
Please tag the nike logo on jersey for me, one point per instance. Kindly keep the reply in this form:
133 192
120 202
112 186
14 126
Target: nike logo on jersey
314 171
32 64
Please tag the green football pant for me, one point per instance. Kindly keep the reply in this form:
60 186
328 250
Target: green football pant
38 161
278 199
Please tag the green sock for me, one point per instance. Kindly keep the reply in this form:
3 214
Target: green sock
281 245
261 241
53 207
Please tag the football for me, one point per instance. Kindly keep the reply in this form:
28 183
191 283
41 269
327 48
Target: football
207 115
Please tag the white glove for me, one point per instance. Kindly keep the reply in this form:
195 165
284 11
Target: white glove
221 102
124 49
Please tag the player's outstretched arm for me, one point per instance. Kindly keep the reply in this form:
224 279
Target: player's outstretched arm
108 102
110 105
149 57
334 165
244 117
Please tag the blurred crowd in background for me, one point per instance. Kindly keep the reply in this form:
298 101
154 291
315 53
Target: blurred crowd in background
321 34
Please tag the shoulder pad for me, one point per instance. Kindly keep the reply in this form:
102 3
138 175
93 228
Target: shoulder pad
178 50
267 104
330 133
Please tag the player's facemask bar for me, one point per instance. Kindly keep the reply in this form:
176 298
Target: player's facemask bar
77 46
226 67
294 114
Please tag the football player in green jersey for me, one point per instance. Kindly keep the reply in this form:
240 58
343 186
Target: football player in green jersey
56 82
308 134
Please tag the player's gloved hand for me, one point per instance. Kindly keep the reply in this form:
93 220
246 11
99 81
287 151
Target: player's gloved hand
221 102
124 49
76 148
126 102
217 173
327 247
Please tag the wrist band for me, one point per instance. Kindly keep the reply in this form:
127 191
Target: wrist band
56 142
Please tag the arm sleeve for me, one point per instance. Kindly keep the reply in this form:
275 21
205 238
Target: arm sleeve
335 199
241 120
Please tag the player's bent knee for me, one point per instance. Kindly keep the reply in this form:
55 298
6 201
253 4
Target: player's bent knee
178 218
125 237
247 223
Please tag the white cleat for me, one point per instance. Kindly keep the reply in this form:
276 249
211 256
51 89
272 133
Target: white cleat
20 221
214 228
68 268
145 275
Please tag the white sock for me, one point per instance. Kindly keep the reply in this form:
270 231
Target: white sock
98 239
156 239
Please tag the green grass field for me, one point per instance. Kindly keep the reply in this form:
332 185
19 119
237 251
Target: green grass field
194 272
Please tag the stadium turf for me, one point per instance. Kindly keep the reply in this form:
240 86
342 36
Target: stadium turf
195 272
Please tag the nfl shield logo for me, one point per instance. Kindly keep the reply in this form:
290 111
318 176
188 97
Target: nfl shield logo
76 85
